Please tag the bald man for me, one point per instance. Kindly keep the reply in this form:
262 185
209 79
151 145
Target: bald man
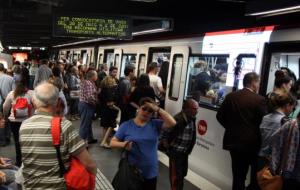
40 165
180 141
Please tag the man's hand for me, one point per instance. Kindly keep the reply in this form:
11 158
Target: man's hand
2 122
2 178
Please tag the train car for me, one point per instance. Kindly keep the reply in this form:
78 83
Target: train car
84 55
222 56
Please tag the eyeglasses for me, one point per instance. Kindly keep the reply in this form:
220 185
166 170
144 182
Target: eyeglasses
145 109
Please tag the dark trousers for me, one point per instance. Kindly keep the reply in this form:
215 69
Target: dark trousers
5 134
150 184
178 167
86 118
15 128
73 106
241 161
290 184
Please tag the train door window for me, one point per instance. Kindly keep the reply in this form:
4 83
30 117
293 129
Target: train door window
207 78
287 62
116 62
176 76
100 58
127 59
142 64
159 55
109 57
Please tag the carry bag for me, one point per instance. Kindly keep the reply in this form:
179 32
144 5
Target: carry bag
77 177
128 177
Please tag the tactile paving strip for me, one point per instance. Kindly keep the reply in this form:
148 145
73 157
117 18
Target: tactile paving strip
102 182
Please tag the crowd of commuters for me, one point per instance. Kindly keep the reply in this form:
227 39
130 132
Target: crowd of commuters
264 131
32 94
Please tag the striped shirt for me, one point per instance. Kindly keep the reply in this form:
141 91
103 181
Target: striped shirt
41 169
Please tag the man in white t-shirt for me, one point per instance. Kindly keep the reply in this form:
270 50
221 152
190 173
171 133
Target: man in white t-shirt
156 84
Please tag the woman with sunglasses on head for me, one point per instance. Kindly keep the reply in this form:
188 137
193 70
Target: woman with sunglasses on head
141 136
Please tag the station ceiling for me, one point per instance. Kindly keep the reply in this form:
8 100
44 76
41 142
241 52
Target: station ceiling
29 22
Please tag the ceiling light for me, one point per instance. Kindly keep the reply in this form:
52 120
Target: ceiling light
276 11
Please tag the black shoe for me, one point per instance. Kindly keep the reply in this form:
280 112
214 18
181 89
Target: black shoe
93 141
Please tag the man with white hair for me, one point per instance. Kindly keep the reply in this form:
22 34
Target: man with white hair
41 168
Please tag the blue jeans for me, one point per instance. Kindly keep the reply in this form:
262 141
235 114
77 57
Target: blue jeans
86 118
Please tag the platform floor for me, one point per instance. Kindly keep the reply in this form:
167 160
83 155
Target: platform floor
107 162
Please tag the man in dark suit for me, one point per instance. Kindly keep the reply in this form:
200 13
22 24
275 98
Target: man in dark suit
241 114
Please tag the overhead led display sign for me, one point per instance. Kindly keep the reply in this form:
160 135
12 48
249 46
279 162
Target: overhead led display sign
92 26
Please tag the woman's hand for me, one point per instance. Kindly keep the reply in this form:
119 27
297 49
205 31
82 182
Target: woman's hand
4 163
152 106
128 145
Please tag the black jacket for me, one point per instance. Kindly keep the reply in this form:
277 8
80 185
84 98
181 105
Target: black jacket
241 114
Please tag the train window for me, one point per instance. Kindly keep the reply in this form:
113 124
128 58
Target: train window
100 58
126 60
176 76
207 78
116 62
142 64
109 57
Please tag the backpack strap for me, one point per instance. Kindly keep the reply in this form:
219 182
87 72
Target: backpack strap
56 131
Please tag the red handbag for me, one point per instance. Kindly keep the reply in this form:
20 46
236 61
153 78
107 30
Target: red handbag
77 177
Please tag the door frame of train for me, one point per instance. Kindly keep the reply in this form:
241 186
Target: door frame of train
119 52
270 49
174 105
100 58
141 51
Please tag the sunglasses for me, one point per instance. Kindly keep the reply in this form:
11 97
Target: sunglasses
145 109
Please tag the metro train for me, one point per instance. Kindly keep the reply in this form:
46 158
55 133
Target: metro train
261 49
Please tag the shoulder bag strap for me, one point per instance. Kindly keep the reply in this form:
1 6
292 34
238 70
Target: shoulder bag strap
286 148
55 131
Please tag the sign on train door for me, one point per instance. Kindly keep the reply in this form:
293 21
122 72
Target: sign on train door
176 79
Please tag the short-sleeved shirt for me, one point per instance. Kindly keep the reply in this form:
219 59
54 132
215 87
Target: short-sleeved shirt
144 151
6 85
155 83
41 168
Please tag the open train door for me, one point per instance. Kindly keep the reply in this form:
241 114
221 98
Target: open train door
100 57
142 58
176 80
118 59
